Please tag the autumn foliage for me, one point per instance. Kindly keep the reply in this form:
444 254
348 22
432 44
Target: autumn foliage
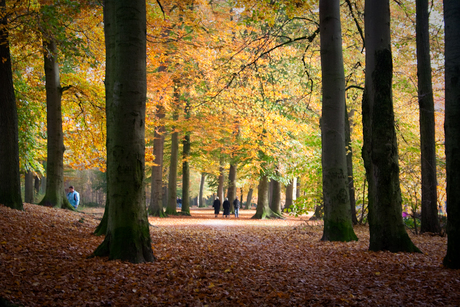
203 261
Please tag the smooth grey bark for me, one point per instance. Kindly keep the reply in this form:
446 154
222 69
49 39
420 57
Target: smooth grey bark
156 198
263 209
127 237
429 220
289 195
452 130
200 196
29 187
249 198
350 179
186 144
231 189
10 185
337 216
55 192
380 150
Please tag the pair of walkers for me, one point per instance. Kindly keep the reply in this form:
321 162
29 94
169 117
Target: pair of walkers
226 207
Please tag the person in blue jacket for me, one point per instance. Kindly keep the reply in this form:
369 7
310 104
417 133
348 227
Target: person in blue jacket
73 197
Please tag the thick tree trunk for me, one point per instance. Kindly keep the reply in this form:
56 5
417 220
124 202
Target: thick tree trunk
185 210
10 185
263 209
231 191
101 229
452 130
249 198
55 192
351 185
289 195
29 187
275 204
127 236
429 219
380 150
156 198
200 196
337 216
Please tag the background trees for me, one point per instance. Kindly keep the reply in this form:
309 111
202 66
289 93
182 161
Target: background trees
217 67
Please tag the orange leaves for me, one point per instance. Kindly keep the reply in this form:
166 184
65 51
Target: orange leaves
202 260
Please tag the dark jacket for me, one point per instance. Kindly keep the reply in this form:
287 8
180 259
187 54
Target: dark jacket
216 205
236 203
226 206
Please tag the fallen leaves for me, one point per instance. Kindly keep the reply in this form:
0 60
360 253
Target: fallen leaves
208 261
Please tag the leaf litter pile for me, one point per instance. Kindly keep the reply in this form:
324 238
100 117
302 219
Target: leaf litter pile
207 261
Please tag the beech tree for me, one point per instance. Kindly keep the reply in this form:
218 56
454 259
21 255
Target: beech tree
337 217
55 193
127 237
452 130
429 221
156 200
263 209
380 149
10 187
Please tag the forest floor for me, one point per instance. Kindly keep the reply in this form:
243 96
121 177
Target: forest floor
208 261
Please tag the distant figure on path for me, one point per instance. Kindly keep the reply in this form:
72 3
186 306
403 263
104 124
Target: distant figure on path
236 205
226 206
73 197
216 205
179 202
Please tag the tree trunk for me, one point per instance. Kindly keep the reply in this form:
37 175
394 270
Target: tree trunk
452 130
297 190
380 150
275 204
10 185
220 187
127 237
231 191
249 198
337 217
270 191
55 192
289 195
429 219
185 210
36 186
351 185
172 184
200 196
263 210
29 187
156 198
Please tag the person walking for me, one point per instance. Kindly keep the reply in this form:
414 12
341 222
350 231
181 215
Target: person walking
73 197
236 206
216 205
226 206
